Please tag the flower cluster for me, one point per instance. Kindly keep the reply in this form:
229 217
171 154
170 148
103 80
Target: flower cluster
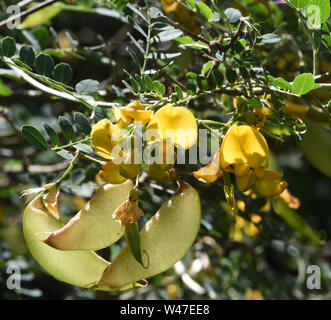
167 129
245 153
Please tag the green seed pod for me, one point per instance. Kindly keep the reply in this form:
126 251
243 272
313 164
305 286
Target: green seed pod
132 238
316 146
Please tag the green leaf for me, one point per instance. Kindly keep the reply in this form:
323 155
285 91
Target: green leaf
34 137
52 134
133 57
83 147
137 11
204 10
270 38
99 114
317 11
129 87
42 36
281 83
41 16
167 35
191 3
316 146
233 15
217 77
299 3
134 83
303 83
44 64
202 82
142 87
164 240
66 128
187 41
278 129
149 82
8 46
4 90
206 67
87 86
231 75
179 92
65 154
80 267
327 39
244 72
62 73
83 124
27 55
294 220
93 228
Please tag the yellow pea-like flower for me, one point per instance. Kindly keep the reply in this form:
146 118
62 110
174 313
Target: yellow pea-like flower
245 182
111 173
244 145
175 125
268 188
101 138
211 172
267 174
134 111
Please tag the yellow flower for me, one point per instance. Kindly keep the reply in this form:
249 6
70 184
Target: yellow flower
242 228
102 138
134 111
115 173
253 294
105 137
244 145
211 172
175 125
269 188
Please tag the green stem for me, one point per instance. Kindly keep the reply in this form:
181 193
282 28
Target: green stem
148 41
72 162
70 144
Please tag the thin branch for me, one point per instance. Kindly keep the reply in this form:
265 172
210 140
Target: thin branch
194 36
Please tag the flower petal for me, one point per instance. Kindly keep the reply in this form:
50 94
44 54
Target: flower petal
177 125
101 138
266 188
244 145
110 173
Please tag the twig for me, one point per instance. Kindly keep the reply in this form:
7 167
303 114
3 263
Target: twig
194 36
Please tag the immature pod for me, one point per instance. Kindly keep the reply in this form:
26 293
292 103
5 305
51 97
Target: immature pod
164 240
132 238
316 146
80 267
93 227
295 221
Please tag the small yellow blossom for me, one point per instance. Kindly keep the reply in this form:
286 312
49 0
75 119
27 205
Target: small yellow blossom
102 139
211 172
134 111
175 125
244 145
